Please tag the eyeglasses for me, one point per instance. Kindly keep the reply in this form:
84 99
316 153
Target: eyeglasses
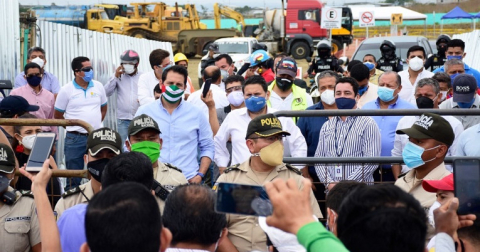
86 69
235 88
270 139
31 75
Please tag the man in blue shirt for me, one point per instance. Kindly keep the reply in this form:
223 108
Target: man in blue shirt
185 128
456 50
389 85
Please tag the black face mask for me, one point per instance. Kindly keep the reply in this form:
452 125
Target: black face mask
6 197
424 102
95 168
442 48
283 84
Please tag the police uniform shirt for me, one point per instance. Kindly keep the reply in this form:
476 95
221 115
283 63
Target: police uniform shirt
244 231
434 62
395 64
19 229
413 186
169 177
77 195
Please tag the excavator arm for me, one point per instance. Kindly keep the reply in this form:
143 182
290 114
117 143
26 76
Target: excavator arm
219 10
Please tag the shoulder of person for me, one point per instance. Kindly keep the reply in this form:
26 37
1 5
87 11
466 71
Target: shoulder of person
173 167
23 193
232 168
293 169
71 192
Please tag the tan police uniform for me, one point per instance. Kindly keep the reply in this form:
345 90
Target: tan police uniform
244 231
414 186
19 229
75 196
169 176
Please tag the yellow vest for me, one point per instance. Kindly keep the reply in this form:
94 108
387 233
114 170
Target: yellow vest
299 101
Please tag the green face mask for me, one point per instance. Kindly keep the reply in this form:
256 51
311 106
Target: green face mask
151 149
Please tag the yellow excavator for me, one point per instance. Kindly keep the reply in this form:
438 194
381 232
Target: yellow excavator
219 10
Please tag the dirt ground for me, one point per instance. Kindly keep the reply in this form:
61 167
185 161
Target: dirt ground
193 64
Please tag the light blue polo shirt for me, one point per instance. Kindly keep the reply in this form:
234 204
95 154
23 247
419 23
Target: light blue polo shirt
468 144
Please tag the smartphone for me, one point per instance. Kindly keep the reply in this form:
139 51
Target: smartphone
42 147
242 199
160 190
466 177
206 87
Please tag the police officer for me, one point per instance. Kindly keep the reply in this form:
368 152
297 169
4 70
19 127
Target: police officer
19 229
264 140
438 60
144 137
213 50
102 145
324 60
389 60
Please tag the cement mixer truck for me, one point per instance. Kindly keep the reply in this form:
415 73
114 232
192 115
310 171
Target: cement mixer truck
296 29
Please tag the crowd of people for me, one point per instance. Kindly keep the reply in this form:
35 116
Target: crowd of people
152 181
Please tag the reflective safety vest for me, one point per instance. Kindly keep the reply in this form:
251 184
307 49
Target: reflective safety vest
299 101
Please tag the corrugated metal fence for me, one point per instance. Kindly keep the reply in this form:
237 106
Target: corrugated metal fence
62 43
10 43
472 48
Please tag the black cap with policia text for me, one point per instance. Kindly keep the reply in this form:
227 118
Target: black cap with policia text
265 125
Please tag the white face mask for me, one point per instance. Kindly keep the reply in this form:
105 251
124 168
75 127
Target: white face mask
128 68
415 64
328 96
28 141
38 61
444 95
236 98
431 220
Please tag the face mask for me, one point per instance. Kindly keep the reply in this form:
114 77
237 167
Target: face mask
271 155
283 84
255 103
172 94
88 76
444 95
415 64
362 90
151 149
452 77
449 57
38 61
236 98
345 103
27 141
95 168
128 68
34 81
424 102
328 96
466 104
387 53
385 94
412 155
430 212
224 74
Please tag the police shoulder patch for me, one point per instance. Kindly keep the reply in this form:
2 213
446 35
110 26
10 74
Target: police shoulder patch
231 168
173 167
402 175
71 192
291 168
27 193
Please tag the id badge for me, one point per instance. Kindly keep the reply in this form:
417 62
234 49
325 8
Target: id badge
338 171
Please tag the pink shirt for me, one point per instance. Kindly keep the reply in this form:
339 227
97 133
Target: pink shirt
44 99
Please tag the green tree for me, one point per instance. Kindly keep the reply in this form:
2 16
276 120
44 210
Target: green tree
204 12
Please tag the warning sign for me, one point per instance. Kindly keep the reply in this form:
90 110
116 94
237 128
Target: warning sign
367 19
396 19
331 18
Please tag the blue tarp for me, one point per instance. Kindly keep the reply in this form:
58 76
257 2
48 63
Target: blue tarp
477 16
457 12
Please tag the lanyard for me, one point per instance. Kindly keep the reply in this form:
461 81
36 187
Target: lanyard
344 139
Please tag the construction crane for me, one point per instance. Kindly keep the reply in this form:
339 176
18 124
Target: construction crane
219 10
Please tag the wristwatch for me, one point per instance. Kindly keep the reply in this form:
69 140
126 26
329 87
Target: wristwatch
200 174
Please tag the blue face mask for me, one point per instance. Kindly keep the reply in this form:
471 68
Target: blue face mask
453 76
412 155
362 90
88 76
255 103
466 104
385 94
345 103
449 57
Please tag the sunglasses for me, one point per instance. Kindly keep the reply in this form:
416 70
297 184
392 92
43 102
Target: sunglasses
31 75
86 69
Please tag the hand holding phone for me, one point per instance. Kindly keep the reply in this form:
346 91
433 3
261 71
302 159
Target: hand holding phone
466 176
42 147
242 199
206 87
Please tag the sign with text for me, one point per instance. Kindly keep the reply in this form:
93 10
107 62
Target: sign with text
396 19
367 19
331 18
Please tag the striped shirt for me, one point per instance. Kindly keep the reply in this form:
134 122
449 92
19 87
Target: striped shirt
357 136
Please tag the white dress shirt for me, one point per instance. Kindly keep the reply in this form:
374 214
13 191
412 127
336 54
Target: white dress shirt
368 96
285 104
127 94
408 121
235 127
219 96
408 89
146 83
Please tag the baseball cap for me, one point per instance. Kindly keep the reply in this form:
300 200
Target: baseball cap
464 88
142 122
430 126
7 159
104 138
287 66
14 104
265 125
445 184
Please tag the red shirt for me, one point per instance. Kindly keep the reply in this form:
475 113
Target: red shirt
268 75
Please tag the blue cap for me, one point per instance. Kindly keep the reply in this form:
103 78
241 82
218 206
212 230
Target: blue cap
464 88
12 105
370 65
